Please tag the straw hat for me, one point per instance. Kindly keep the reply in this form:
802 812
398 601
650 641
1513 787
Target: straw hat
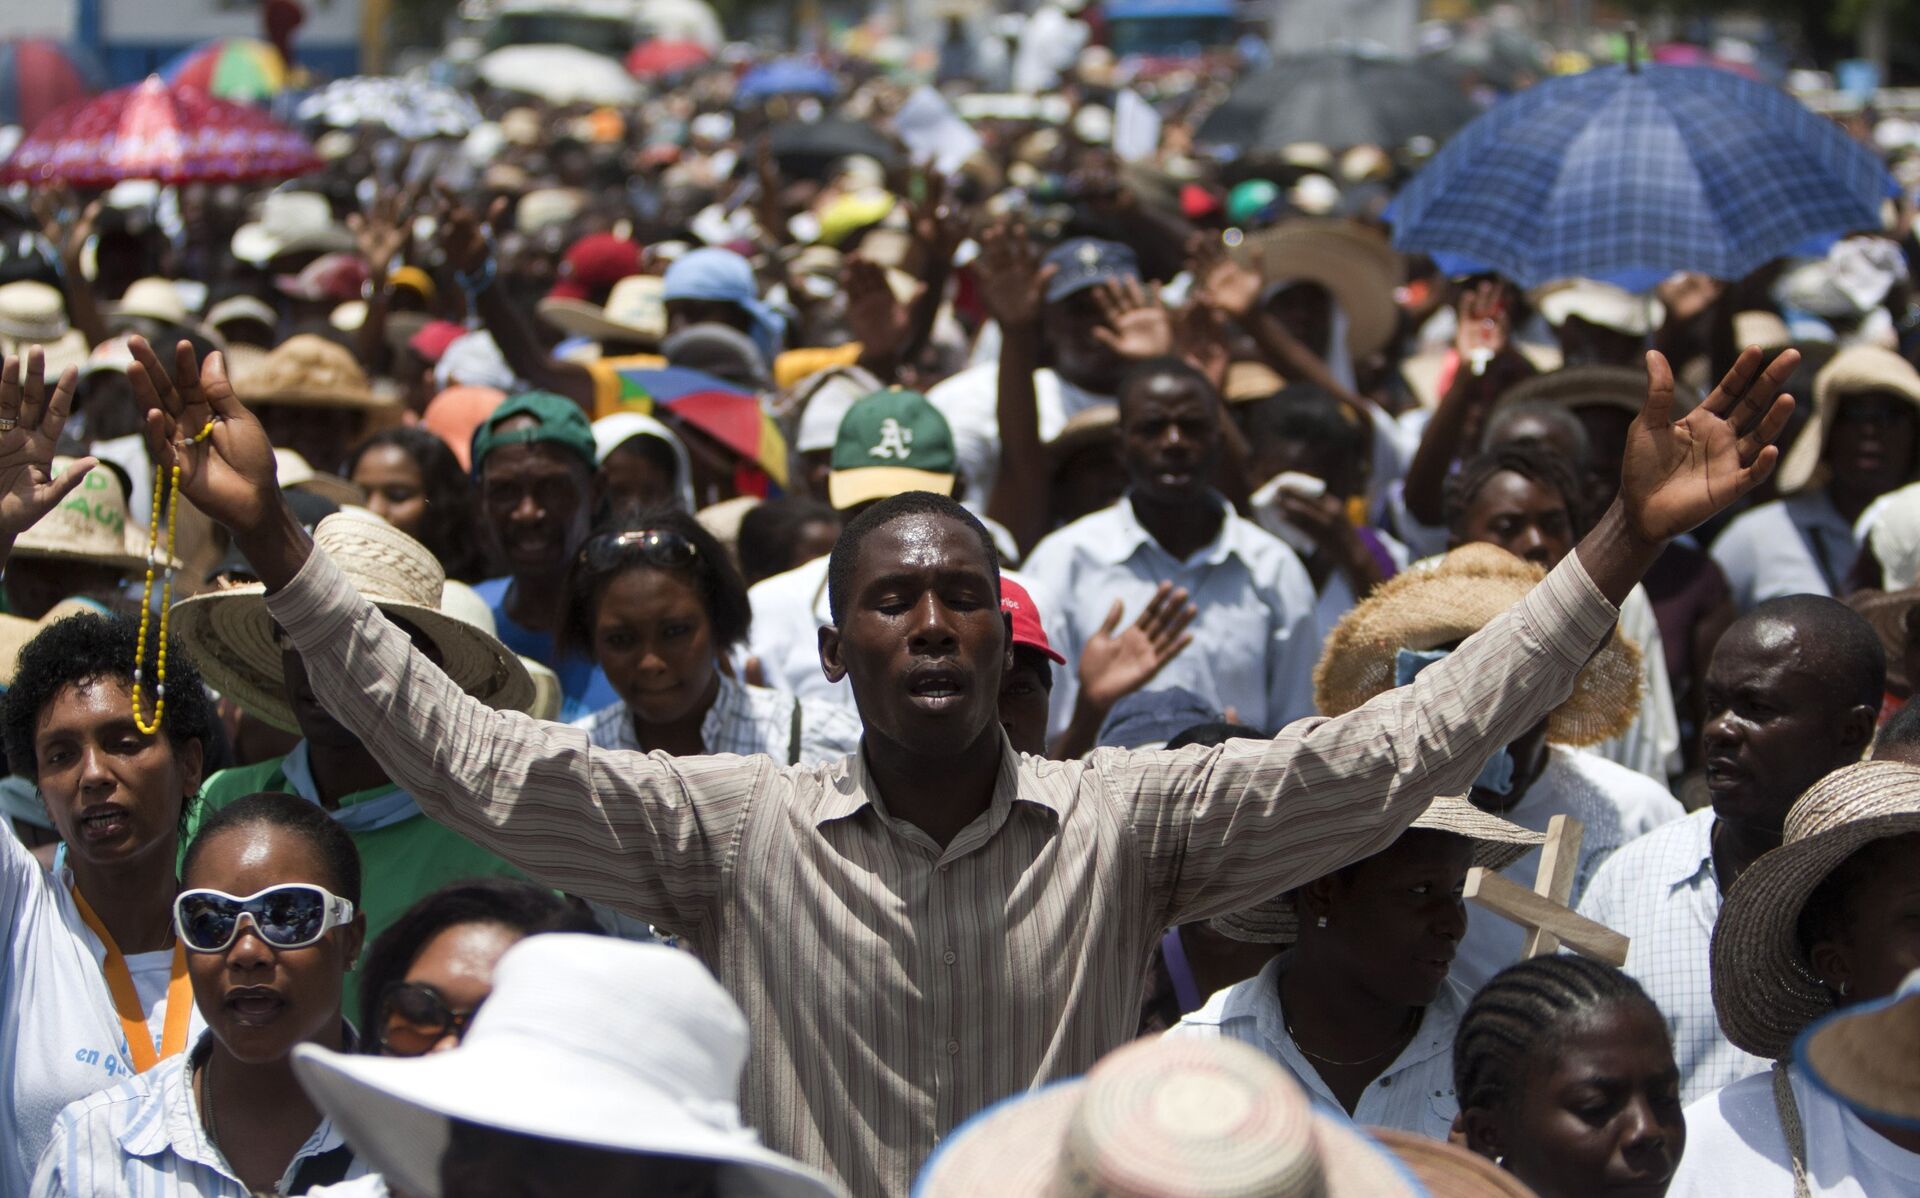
1623 388
295 474
1430 607
291 222
1357 267
1448 1170
1864 1056
1251 380
1496 845
599 1042
1090 426
32 312
636 310
1855 370
463 603
311 371
230 633
1198 1118
93 524
1764 988
154 298
15 632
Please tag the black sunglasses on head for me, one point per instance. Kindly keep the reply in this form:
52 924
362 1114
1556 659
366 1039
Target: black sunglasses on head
655 546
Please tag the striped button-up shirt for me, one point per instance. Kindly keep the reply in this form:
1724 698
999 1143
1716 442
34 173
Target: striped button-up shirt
895 987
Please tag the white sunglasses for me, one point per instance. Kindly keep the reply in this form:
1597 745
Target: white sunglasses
291 915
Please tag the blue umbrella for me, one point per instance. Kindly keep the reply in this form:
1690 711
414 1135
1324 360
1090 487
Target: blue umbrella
786 77
1628 175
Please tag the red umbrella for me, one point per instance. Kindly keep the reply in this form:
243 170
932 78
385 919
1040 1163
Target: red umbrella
37 76
664 56
153 131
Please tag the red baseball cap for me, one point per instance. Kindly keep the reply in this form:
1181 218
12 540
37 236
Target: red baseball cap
592 266
433 339
1015 601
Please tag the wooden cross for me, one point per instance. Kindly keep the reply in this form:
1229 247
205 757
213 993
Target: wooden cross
1544 911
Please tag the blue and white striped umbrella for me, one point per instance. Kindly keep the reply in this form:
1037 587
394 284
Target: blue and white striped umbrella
1629 175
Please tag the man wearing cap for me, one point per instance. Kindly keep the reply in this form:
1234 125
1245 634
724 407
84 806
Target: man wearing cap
888 443
535 462
937 922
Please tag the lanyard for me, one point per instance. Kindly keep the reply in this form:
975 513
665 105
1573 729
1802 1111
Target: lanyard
126 1000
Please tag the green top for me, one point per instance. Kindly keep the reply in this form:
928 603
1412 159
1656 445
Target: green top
399 863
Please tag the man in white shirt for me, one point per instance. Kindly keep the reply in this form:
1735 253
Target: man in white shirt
1255 640
1792 692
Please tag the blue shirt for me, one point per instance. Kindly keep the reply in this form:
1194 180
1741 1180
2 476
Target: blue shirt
584 687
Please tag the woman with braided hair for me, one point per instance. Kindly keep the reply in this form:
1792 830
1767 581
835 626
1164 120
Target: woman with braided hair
1565 1078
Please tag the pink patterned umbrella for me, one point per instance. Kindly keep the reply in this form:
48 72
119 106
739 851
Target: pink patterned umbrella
155 131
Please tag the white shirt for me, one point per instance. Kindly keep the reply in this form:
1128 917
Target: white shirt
1792 546
1615 805
1651 744
1414 1093
747 720
1735 1146
789 610
60 1039
1660 891
146 1137
1255 640
970 401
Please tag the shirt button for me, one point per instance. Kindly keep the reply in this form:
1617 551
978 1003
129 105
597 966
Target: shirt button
951 957
1386 1081
944 867
953 1048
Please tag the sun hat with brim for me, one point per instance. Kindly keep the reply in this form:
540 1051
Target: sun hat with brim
1430 607
1864 1056
92 524
1855 370
295 474
1448 1170
310 371
154 298
891 442
1356 266
598 1042
241 308
636 310
32 311
1602 304
1197 1118
1096 425
1623 388
1764 988
1496 845
57 354
15 632
230 632
462 602
290 222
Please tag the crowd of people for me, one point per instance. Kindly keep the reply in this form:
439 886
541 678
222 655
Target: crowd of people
635 652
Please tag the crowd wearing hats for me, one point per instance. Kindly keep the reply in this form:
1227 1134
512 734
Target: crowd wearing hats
882 624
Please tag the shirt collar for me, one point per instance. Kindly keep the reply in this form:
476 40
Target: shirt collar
1131 536
169 1119
730 704
1691 854
850 789
1260 1001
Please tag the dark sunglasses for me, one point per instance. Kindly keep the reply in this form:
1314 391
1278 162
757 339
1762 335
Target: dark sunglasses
655 546
414 1017
293 915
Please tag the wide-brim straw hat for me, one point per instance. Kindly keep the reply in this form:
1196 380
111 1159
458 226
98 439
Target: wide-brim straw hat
1429 607
1356 266
1496 845
1764 988
1855 370
1623 388
1864 1056
1448 1170
230 632
16 631
1887 612
636 310
310 371
32 311
1192 1117
92 524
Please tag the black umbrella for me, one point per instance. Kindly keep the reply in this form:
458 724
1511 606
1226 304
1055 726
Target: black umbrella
808 149
1339 99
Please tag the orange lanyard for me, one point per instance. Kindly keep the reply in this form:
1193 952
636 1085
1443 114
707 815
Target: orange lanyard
126 1000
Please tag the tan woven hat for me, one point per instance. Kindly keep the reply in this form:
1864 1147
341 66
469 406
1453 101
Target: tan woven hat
1196 1118
636 310
1764 988
1855 370
1448 1170
1887 612
1574 387
1864 1056
1356 266
230 632
32 312
462 602
1425 608
93 524
1496 845
15 632
311 371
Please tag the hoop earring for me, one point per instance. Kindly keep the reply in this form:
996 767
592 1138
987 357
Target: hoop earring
1844 986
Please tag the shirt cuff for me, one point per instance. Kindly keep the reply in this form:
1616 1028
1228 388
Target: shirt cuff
318 603
1569 614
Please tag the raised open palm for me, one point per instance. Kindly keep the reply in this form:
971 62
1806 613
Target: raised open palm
195 421
1677 473
28 488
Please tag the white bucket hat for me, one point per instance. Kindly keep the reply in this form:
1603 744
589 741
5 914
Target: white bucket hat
291 222
595 1041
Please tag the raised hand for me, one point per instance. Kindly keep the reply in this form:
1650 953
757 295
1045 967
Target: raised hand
195 421
1677 473
1012 282
33 421
1137 325
382 232
875 317
937 224
1483 327
465 239
1202 335
1220 281
1116 662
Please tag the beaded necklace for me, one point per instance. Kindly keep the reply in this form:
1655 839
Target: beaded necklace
166 485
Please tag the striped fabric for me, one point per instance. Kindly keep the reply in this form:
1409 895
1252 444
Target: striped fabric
895 987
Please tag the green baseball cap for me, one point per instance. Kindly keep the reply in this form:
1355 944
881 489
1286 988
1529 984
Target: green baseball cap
891 442
559 422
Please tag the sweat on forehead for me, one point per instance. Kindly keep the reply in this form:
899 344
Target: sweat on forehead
1162 376
1829 639
922 507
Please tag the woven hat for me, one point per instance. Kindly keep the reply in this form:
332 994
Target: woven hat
462 602
1855 370
1496 845
636 310
1095 425
1623 388
1455 598
1356 266
1764 988
93 524
311 371
1864 1056
1197 1118
15 632
32 311
230 633
1448 1170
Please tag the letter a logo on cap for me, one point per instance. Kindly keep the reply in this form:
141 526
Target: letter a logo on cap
895 441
